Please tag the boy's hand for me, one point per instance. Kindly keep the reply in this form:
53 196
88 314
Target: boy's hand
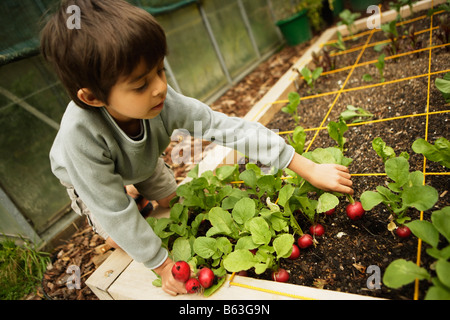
331 177
327 177
169 283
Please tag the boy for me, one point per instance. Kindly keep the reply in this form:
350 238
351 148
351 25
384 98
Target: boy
121 118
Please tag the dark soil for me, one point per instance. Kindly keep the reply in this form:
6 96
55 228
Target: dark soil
348 248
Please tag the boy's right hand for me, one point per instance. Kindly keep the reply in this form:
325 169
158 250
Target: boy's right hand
169 283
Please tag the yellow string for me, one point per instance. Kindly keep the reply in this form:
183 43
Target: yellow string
376 43
359 35
395 56
419 242
375 121
270 291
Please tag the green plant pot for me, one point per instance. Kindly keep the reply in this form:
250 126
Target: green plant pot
296 29
362 5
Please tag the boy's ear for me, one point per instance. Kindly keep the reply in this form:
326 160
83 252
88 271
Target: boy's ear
87 97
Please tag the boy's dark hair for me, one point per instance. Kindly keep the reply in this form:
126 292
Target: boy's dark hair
113 38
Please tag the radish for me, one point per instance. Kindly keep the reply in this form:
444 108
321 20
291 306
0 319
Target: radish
317 230
243 273
305 241
206 277
193 285
330 212
355 211
295 252
403 232
181 271
281 275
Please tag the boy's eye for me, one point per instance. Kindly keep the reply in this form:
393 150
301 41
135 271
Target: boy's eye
163 69
142 88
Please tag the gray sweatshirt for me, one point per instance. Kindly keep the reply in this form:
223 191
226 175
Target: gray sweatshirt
94 155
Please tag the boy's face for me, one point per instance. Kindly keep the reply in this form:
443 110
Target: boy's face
140 95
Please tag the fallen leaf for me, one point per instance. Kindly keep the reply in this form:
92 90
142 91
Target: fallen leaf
359 267
320 283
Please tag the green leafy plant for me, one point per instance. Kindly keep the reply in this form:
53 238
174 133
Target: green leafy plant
311 76
21 269
339 44
384 151
443 86
380 65
219 232
439 152
413 43
436 234
292 107
355 115
348 19
404 191
336 131
390 31
298 139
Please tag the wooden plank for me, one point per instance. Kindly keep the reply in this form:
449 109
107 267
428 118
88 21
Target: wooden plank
135 283
100 281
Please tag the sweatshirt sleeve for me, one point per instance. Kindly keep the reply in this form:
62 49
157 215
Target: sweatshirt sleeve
250 138
90 168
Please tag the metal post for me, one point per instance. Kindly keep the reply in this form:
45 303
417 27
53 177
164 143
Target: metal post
272 13
10 207
249 28
172 76
215 44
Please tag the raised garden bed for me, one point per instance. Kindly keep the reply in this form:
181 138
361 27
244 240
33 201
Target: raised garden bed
342 255
339 263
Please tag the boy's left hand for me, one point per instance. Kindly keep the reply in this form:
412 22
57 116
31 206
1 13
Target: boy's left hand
169 283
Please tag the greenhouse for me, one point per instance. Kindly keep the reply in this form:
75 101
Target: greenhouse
356 84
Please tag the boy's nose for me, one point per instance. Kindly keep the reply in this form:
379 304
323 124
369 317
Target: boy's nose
160 86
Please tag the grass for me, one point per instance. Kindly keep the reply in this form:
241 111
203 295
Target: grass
21 269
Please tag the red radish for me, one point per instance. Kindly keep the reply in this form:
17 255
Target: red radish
355 211
181 271
243 273
305 241
330 212
280 275
253 251
193 285
295 252
206 277
317 230
403 232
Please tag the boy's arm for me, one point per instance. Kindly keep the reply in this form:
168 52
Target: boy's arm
327 177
